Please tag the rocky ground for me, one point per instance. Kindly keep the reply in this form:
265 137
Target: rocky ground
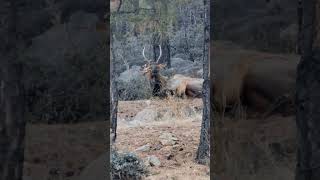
165 134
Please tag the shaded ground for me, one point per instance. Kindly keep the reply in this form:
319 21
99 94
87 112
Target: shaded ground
261 149
62 151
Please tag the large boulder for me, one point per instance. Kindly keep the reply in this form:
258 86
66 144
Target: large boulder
188 68
145 116
133 73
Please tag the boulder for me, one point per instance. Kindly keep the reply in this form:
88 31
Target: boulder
146 115
144 148
168 139
152 161
133 73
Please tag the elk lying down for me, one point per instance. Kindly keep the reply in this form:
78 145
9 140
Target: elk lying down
259 81
185 86
178 85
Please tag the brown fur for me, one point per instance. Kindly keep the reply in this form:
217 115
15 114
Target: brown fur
251 78
185 86
180 85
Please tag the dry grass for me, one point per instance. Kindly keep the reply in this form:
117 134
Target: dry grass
247 147
257 149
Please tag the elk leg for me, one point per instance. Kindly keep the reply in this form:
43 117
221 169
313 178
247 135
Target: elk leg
190 93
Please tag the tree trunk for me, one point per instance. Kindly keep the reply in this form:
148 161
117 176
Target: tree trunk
165 44
203 152
12 122
299 13
162 40
308 96
114 99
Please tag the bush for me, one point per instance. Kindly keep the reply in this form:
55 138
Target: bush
126 166
134 88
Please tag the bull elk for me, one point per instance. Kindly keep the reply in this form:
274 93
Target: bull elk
178 85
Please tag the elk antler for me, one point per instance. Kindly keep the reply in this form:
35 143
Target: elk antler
159 54
146 59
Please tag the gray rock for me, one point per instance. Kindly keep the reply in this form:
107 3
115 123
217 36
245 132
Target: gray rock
146 115
188 68
188 111
133 73
144 148
152 161
179 62
168 139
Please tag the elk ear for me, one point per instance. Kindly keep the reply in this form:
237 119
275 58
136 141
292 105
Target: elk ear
161 66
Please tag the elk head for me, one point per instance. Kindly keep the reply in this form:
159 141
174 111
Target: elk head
152 71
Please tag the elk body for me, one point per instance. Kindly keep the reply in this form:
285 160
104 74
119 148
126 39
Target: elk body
254 79
178 85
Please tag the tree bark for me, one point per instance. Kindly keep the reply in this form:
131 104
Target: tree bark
165 44
114 99
308 96
163 40
203 153
12 121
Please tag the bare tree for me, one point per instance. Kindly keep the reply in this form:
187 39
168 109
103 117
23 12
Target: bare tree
12 121
307 94
203 152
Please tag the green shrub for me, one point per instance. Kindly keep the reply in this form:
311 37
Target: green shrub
127 166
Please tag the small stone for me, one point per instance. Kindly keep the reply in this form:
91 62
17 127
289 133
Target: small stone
144 148
158 147
153 161
167 149
169 156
